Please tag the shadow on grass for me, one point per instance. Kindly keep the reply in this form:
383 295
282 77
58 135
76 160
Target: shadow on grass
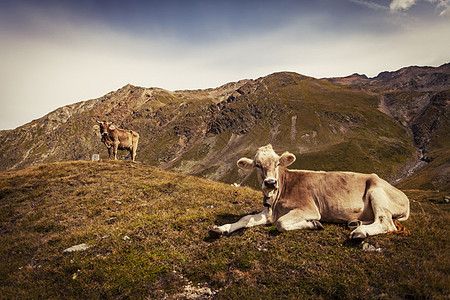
222 219
273 231
352 243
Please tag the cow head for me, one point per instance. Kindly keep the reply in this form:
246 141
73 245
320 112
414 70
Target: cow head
267 163
104 127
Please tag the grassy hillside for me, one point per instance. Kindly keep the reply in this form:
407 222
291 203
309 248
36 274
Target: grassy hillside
148 235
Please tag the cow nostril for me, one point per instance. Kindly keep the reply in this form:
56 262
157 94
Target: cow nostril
270 183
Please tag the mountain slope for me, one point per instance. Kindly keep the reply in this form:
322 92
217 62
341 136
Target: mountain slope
327 125
418 98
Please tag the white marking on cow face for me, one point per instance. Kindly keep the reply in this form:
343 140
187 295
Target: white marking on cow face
267 163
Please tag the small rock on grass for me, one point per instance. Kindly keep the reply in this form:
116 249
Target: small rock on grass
371 248
80 247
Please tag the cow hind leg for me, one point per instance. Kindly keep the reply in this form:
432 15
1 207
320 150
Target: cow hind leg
133 154
382 222
134 150
352 225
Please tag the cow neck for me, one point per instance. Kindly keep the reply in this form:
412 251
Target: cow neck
281 180
265 201
108 142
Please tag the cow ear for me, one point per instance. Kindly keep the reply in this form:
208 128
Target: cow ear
245 163
287 159
112 127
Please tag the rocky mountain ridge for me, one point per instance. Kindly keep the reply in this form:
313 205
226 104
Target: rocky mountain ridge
358 123
412 78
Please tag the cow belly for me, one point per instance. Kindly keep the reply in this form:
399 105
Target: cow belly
344 212
121 147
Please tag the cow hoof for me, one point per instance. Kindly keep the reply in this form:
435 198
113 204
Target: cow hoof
358 235
215 232
317 225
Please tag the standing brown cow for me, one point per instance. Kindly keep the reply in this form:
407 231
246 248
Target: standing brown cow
118 139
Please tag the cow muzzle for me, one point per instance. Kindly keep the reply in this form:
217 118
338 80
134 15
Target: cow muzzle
270 183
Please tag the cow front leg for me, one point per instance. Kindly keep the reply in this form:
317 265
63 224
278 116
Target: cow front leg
116 147
245 222
296 220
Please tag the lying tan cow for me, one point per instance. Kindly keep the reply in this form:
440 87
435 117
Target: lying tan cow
118 139
297 199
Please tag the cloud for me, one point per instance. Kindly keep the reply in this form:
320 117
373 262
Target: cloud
401 5
444 5
404 5
370 4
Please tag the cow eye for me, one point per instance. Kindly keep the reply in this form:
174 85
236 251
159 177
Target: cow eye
278 163
258 166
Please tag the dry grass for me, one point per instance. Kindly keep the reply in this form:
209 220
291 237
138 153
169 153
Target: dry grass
148 232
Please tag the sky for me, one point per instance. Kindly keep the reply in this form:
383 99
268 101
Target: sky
58 52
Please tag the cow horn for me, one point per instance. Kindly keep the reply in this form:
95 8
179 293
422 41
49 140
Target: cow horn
99 122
